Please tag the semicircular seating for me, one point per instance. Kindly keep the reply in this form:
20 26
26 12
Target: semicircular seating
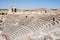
17 27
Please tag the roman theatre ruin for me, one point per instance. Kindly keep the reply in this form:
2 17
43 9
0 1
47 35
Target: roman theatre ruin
30 24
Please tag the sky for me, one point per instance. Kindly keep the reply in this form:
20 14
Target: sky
29 4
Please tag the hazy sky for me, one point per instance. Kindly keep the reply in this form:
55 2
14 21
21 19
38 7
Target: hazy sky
23 4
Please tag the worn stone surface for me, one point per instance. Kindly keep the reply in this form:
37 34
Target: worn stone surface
30 26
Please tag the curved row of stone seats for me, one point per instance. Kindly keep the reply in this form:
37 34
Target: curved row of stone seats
37 25
19 32
42 23
10 31
47 17
50 19
24 33
24 20
55 22
58 20
9 26
45 31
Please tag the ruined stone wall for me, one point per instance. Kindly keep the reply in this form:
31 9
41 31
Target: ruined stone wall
38 11
3 12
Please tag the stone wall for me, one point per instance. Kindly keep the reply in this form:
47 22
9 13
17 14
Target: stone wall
3 11
38 11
